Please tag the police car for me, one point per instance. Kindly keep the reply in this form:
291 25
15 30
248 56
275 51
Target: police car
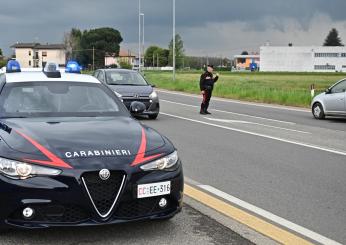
72 155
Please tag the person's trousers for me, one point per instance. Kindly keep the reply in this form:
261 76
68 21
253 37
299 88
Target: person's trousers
206 99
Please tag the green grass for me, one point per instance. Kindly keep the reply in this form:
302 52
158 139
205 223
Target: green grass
292 89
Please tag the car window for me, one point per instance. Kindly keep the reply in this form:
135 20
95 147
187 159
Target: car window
101 76
340 87
96 73
44 99
125 78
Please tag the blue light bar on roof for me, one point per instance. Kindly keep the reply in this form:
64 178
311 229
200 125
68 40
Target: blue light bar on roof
73 67
13 66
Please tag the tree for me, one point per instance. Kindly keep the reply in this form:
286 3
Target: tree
333 39
102 41
150 55
179 51
1 52
72 41
156 56
243 60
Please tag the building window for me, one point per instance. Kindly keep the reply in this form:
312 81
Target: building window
343 54
29 62
44 53
29 52
324 67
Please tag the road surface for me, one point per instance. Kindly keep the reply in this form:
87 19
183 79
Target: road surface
276 159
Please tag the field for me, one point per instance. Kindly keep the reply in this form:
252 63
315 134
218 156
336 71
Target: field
292 89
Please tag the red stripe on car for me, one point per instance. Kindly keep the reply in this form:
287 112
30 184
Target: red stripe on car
140 157
53 159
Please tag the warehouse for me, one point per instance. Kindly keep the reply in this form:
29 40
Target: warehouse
303 59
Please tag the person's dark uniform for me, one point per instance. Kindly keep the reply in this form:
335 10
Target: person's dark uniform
206 84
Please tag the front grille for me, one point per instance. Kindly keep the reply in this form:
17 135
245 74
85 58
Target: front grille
103 193
127 101
55 214
140 207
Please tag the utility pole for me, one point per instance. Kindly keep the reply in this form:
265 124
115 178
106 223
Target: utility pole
157 62
173 40
153 60
93 58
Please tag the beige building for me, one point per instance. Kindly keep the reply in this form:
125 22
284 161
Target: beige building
31 55
124 56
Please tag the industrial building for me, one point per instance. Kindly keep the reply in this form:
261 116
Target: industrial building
303 59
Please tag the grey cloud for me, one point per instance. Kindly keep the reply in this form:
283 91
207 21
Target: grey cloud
46 21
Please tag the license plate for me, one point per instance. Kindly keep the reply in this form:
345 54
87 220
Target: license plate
153 190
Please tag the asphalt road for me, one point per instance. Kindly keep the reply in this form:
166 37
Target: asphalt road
276 158
188 227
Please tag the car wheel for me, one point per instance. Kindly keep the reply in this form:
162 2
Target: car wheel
317 111
154 116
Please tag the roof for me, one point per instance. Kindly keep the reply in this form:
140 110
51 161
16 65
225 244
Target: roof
122 53
39 76
38 46
255 56
118 70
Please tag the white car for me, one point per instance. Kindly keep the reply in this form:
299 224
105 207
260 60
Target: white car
330 103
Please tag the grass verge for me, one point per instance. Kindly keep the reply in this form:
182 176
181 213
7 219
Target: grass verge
291 89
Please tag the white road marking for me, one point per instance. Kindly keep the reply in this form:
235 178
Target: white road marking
259 124
234 113
238 102
338 152
270 216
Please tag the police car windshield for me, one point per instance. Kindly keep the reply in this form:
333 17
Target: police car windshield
125 78
62 99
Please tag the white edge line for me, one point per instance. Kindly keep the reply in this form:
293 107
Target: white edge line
238 102
253 123
229 112
272 217
260 135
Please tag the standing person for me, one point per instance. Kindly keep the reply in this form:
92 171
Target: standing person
206 85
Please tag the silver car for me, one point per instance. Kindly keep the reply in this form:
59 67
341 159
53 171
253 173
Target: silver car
330 103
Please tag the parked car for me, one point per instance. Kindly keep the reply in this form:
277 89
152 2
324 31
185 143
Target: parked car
130 86
71 155
330 103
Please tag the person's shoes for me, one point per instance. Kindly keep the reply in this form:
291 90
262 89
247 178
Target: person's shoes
207 112
202 113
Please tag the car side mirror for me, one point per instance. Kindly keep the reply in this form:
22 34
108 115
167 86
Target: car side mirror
137 108
153 85
328 91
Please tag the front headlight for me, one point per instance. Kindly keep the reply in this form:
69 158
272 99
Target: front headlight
20 170
153 95
165 163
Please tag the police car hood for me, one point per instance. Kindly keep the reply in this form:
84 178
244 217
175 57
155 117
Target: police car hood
71 138
130 91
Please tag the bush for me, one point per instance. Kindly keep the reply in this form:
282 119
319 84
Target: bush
3 63
125 65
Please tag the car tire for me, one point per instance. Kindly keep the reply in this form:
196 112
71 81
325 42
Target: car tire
153 117
318 111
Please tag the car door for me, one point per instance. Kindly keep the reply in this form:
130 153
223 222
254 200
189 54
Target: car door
335 99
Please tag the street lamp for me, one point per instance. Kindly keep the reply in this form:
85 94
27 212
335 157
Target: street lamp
143 49
173 40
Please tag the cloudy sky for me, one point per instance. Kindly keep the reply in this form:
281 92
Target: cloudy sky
217 27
